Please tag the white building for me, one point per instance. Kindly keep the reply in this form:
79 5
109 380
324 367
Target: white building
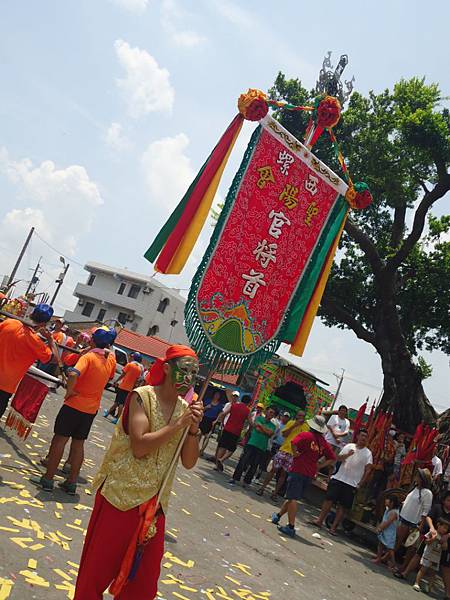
140 303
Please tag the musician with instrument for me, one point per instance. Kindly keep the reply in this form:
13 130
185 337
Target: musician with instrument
22 342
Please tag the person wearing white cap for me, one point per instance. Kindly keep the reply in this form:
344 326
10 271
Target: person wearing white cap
307 448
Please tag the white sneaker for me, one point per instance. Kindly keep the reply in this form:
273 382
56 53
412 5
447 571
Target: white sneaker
416 587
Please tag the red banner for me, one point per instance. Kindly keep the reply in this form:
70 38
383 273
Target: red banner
280 209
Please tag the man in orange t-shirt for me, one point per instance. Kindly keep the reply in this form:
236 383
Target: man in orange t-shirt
61 338
85 385
128 380
20 347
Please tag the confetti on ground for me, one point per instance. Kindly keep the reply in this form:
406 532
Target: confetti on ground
34 579
219 515
32 563
185 511
298 573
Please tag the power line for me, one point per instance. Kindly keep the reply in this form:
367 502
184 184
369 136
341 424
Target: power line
58 251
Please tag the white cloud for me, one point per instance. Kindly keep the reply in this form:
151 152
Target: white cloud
115 139
146 87
172 18
168 171
134 6
61 202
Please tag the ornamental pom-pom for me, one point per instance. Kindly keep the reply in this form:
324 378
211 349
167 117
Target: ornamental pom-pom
358 195
328 112
253 105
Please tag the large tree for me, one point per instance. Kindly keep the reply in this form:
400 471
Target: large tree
390 282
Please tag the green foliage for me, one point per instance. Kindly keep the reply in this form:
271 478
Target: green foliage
424 368
398 142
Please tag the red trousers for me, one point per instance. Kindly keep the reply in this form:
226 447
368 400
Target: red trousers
106 542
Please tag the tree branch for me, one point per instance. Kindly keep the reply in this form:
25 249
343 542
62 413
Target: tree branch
439 190
366 245
345 317
398 226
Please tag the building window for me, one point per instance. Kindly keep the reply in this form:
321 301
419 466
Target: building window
91 279
122 318
134 291
121 289
88 308
163 305
101 314
153 330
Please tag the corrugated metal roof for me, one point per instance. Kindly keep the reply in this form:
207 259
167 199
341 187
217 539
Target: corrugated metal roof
149 345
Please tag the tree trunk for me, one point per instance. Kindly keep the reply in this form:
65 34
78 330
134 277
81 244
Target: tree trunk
403 393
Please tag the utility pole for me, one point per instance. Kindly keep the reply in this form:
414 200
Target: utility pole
34 278
341 379
19 259
60 279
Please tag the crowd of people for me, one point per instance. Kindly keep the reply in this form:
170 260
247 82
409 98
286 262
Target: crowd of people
160 418
412 535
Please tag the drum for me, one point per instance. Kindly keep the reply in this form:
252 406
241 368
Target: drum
27 401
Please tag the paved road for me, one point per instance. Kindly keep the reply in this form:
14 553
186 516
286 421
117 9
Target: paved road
220 542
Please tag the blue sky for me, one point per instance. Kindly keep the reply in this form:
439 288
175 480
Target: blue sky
109 107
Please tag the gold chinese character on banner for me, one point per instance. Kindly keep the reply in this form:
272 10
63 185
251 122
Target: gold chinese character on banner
311 212
289 196
265 176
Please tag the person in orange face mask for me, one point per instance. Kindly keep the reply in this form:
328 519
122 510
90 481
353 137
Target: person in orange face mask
124 544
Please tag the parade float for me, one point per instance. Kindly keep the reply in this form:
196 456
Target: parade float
282 384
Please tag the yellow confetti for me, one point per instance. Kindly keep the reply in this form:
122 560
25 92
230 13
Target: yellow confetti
77 521
34 578
88 492
232 580
298 573
74 527
185 511
11 529
173 493
68 587
36 547
180 596
244 568
183 482
212 497
167 565
257 516
6 585
231 510
186 588
64 537
21 541
219 515
73 564
63 574
32 563
58 515
59 506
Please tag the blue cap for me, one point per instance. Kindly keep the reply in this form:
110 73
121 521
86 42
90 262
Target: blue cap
42 313
136 356
104 337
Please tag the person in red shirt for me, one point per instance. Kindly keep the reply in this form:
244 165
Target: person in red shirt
128 380
85 385
20 347
307 448
239 413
